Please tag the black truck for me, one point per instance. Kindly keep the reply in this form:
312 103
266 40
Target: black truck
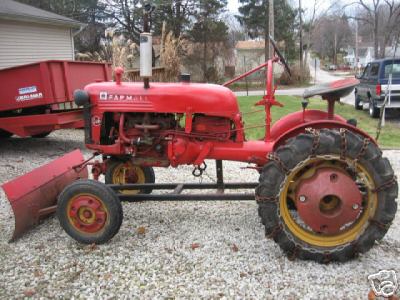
374 86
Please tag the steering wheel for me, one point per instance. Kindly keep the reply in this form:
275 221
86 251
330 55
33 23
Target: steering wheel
281 58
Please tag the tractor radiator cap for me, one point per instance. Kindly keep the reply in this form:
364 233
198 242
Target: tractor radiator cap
81 97
184 78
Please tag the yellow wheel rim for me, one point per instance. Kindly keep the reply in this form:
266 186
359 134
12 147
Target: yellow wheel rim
128 173
87 213
313 238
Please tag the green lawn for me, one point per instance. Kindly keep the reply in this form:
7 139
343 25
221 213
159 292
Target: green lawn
390 134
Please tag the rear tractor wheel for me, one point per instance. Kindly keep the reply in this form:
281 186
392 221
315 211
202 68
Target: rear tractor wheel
342 190
89 211
125 172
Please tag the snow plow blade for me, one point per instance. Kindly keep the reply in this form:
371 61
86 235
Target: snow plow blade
33 196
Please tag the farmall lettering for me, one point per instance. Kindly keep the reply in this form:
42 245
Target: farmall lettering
104 96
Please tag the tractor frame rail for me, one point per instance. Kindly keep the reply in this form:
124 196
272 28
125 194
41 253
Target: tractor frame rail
178 188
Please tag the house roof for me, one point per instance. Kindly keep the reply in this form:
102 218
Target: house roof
250 45
13 10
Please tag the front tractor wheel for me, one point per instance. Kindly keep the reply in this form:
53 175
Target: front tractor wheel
89 212
125 172
327 195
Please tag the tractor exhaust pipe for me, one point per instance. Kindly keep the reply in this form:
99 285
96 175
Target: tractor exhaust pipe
146 47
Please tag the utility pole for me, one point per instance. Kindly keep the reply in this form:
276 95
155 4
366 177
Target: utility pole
356 50
271 27
301 42
335 51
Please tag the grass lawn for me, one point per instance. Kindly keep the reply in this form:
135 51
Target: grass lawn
390 134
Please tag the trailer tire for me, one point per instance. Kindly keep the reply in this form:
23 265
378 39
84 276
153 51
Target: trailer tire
89 212
114 166
5 134
276 176
41 135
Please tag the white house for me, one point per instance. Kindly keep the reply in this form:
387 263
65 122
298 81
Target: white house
29 34
365 55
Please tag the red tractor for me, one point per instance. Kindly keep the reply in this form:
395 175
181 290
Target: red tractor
325 192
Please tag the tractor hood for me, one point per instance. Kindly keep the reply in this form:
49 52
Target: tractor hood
163 98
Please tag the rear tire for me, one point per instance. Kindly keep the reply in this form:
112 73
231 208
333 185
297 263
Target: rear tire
143 175
5 134
89 212
358 104
294 154
374 111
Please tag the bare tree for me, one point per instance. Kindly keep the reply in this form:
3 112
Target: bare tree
381 17
331 33
388 18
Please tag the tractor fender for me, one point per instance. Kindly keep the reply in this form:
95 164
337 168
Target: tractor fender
295 119
337 122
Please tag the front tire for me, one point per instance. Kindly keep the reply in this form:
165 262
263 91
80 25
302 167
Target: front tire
89 211
358 104
302 161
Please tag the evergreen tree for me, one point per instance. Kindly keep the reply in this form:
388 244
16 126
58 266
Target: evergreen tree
253 14
208 30
175 13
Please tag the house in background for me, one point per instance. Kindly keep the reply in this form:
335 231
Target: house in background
29 34
249 54
365 55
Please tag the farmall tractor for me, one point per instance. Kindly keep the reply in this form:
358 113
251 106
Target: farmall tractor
325 193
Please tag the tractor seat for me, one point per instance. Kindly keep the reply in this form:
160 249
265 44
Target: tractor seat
335 89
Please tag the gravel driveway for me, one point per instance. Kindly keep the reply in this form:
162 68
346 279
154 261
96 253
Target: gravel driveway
170 250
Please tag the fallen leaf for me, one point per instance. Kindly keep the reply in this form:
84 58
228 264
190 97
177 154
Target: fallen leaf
91 247
29 292
242 274
371 295
38 273
235 248
107 276
195 246
141 230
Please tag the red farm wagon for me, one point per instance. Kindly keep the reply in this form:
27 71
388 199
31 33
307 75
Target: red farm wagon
37 98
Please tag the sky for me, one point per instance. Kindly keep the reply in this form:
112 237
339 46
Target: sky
233 5
307 4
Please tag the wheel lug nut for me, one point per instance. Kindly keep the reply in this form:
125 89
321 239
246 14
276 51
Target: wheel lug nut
355 206
302 198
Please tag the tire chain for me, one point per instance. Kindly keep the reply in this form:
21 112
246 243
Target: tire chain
316 140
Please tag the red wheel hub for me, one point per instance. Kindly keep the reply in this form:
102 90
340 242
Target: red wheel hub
131 176
87 213
328 200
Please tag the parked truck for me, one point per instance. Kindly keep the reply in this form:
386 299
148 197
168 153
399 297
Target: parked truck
374 85
37 98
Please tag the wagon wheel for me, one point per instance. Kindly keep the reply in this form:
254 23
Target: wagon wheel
343 190
89 211
123 172
5 134
41 135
